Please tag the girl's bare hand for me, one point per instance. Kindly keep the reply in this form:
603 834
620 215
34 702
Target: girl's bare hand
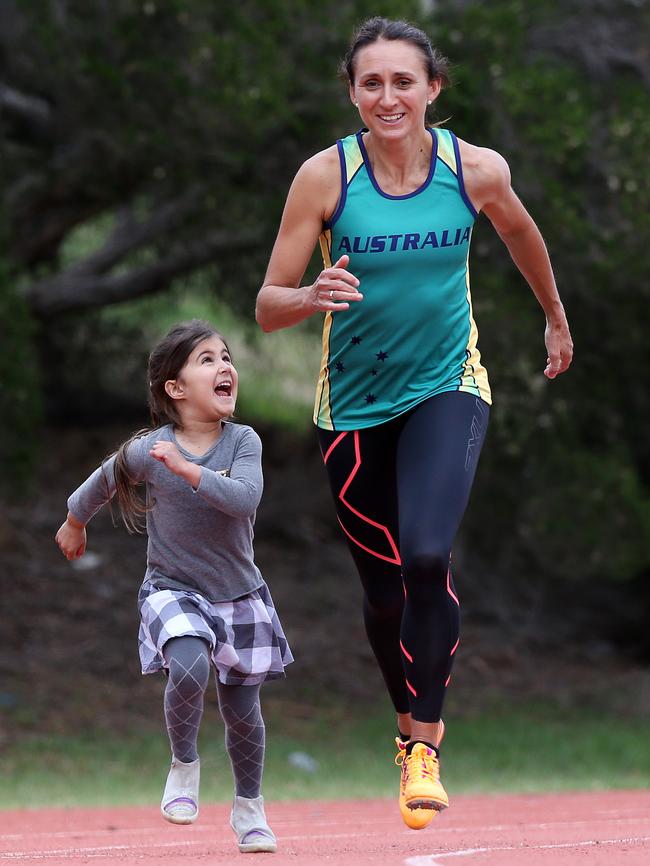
71 540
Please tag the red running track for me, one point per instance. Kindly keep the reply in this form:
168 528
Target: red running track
608 828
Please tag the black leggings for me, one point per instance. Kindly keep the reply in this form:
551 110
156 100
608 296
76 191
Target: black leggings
400 491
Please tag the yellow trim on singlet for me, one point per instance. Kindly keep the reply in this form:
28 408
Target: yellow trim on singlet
470 381
353 162
325 241
322 402
446 152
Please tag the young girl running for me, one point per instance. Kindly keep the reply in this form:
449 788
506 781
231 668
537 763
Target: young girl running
203 600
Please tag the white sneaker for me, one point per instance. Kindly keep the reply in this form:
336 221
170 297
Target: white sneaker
248 821
180 802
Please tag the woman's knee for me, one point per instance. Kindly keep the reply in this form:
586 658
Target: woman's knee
426 569
384 605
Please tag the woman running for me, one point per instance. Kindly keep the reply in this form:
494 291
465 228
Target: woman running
403 399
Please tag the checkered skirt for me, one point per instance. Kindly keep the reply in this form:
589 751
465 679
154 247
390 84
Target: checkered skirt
246 638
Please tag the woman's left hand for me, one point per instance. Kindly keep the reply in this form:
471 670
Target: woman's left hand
559 346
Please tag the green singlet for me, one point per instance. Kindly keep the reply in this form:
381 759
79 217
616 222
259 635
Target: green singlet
414 334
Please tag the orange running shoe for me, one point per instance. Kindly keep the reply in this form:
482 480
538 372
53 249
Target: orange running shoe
421 780
416 819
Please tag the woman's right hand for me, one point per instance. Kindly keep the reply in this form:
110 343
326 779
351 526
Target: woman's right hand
335 287
71 538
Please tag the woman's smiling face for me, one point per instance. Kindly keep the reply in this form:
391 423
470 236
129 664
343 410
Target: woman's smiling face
391 87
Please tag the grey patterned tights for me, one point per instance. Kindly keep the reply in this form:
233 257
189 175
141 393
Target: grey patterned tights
188 660
245 736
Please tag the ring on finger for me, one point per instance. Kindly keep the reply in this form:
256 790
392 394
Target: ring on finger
331 294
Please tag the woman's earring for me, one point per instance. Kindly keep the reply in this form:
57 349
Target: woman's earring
356 104
429 102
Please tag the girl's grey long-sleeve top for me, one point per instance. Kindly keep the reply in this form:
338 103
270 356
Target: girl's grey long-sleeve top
199 538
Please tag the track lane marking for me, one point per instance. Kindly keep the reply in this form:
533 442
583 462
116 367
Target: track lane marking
99 850
419 860
433 859
212 825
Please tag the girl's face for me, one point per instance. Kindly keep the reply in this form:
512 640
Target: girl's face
206 387
392 88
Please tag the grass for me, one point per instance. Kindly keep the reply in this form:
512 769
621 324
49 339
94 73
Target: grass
527 749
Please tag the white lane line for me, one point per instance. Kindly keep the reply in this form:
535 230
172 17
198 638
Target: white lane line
91 852
100 850
420 860
213 826
434 859
105 831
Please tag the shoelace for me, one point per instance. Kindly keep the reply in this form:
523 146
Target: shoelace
401 751
422 766
402 744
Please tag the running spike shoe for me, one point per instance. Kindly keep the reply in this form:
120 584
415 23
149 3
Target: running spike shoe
421 780
416 819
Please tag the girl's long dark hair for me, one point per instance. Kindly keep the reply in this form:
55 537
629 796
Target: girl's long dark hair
166 361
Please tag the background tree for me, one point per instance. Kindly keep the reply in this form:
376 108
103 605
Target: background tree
179 123
562 96
172 130
142 142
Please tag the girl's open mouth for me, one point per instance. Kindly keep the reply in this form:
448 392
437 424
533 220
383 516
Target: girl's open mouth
224 389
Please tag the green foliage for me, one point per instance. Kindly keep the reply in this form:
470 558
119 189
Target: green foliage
151 100
570 459
19 388
588 515
94 371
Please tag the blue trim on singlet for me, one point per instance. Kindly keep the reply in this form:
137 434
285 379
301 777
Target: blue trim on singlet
344 189
373 180
459 174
